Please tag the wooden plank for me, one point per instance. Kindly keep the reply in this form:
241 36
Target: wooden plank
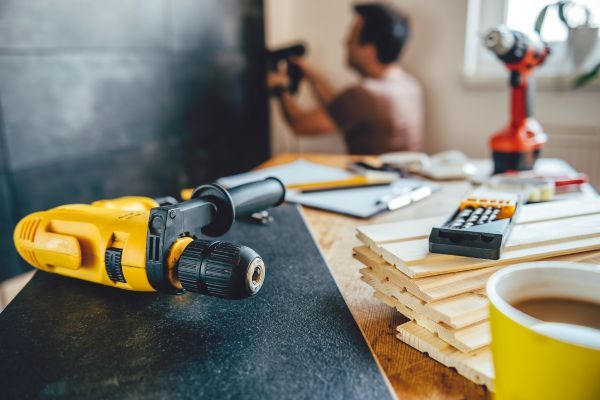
416 252
588 257
439 286
470 342
377 234
510 256
429 288
556 210
476 366
456 312
554 231
467 339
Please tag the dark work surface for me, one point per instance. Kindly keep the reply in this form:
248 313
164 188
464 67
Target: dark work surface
296 339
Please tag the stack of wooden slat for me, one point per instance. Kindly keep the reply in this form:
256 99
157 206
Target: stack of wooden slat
444 295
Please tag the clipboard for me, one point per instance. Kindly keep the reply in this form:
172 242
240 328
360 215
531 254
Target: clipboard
365 202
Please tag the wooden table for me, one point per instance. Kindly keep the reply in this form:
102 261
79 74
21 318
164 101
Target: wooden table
412 374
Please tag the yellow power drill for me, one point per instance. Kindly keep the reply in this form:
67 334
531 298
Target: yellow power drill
137 243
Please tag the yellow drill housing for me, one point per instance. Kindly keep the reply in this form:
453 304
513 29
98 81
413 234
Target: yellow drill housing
135 243
71 240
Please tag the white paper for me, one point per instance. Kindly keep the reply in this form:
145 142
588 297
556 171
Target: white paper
294 173
359 202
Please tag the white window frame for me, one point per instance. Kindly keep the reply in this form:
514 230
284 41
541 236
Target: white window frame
483 70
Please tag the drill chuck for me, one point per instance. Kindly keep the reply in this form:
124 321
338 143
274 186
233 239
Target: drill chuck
514 47
499 40
221 269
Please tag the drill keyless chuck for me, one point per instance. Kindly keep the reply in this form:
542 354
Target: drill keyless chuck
221 269
500 40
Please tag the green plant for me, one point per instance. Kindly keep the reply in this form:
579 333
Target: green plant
583 79
562 7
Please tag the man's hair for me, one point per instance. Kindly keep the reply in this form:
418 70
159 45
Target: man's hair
384 28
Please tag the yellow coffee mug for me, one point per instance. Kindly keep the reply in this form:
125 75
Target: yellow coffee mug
534 359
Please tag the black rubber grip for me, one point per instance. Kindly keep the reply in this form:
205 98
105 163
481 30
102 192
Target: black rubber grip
257 196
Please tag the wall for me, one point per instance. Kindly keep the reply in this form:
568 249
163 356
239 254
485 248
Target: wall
125 97
322 26
457 115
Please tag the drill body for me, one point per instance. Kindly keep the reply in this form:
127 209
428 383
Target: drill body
517 146
139 244
72 240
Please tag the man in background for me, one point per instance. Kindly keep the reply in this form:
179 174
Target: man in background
384 111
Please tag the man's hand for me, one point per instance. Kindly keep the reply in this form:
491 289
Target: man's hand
321 88
302 122
304 66
278 81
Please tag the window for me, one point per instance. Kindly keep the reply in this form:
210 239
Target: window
481 66
521 14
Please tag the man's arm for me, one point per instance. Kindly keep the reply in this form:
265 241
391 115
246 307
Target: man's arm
322 89
305 122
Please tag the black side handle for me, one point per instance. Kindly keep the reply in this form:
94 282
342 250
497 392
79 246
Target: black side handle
257 196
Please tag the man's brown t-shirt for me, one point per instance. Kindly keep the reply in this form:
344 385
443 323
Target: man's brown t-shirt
381 115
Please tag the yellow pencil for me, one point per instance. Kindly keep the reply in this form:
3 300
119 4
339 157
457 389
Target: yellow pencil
357 180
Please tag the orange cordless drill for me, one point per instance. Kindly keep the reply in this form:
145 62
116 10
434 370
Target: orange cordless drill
517 146
141 244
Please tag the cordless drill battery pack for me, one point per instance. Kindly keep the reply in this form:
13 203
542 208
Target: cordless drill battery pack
479 228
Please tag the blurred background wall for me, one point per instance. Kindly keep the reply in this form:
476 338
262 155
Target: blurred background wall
459 113
125 97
